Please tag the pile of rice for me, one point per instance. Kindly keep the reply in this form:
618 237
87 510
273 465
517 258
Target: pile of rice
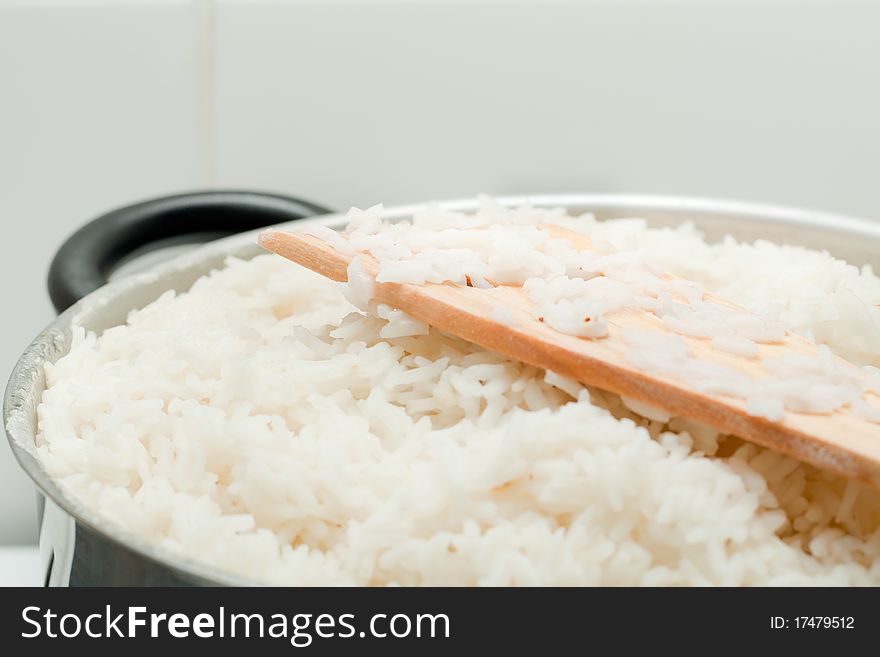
573 284
262 424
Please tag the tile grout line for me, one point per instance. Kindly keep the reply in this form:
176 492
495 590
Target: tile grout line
206 90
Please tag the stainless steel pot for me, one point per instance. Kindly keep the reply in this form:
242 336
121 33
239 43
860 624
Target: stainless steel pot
78 546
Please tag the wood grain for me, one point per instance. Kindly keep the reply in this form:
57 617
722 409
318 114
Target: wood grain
841 442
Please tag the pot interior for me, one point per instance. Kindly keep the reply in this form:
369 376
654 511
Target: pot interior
857 241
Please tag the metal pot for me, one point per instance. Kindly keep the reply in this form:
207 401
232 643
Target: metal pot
78 546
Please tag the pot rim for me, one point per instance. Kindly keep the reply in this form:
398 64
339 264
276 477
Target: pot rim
26 382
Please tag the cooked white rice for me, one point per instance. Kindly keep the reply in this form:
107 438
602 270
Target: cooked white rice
574 285
262 425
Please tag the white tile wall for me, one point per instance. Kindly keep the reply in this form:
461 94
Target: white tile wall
103 102
366 101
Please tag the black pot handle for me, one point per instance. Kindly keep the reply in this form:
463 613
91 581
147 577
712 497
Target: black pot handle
84 262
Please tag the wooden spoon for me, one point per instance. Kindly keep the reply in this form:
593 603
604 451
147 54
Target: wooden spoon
841 441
